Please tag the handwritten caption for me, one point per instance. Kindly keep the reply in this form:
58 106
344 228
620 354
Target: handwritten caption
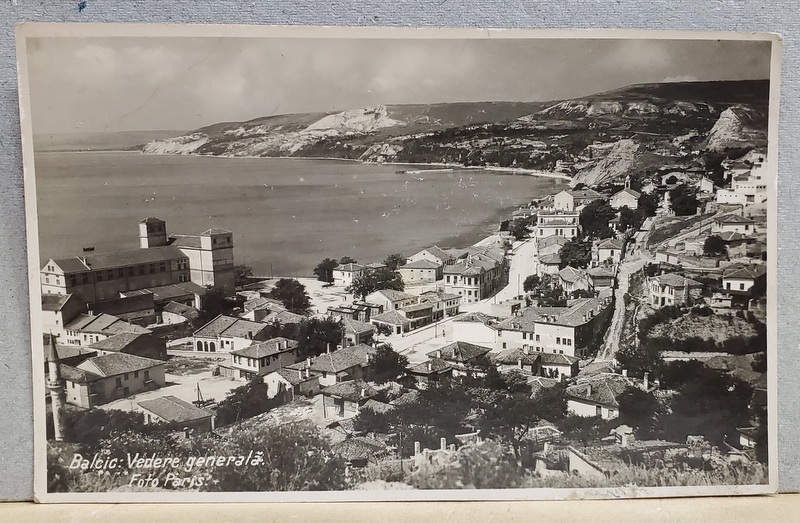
147 470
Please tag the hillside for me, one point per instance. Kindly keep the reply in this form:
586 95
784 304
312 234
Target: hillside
605 136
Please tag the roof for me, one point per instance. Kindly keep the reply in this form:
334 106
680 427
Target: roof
375 265
393 295
353 390
733 219
513 357
475 317
550 259
184 310
165 293
629 191
438 253
64 352
123 305
553 239
571 274
525 321
603 389
391 317
557 359
229 327
120 259
600 272
266 348
77 375
406 398
186 241
343 359
103 324
283 317
152 219
578 313
419 306
349 267
459 351
584 194
174 410
117 342
55 302
377 406
420 264
294 376
611 243
439 296
750 272
731 236
352 326
431 366
214 231
117 363
674 280
358 448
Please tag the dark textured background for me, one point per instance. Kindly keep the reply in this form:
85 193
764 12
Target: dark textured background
16 427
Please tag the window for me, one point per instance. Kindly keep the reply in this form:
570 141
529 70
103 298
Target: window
120 273
99 277
141 270
561 352
125 376
504 345
162 267
741 286
147 374
598 410
131 271
499 334
558 341
110 274
85 277
119 382
136 374
324 374
537 338
568 342
524 336
152 268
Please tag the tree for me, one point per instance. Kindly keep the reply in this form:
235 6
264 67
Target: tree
294 457
382 329
519 229
370 281
647 204
594 219
683 200
387 364
576 253
583 429
638 409
393 261
324 270
714 246
531 282
292 294
214 303
315 335
245 402
242 274
641 359
88 427
346 259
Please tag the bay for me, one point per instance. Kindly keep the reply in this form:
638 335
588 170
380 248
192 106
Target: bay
286 214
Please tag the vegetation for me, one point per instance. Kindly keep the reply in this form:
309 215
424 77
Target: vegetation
519 228
214 304
370 281
576 253
292 294
714 246
546 291
531 282
393 261
245 402
387 364
242 274
324 270
683 200
594 219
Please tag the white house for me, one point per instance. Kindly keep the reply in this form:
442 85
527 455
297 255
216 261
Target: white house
672 289
264 357
743 280
226 334
433 254
627 197
733 223
421 271
557 223
597 396
571 200
345 274
607 251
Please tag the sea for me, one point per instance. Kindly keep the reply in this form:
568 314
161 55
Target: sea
286 214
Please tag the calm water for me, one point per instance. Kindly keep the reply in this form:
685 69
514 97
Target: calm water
286 214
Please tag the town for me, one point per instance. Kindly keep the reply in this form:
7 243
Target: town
606 335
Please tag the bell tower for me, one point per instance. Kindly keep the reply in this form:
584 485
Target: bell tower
152 233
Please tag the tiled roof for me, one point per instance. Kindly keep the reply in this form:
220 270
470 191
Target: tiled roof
71 351
393 295
175 410
117 342
77 375
551 240
215 230
571 316
630 191
571 274
419 306
117 363
525 322
438 253
459 351
358 448
69 265
103 324
186 241
353 390
600 272
420 264
266 348
611 243
603 389
375 265
282 317
122 259
733 219
407 398
377 406
750 272
556 359
550 259
357 327
343 359
513 356
152 219
229 327
349 267
730 236
294 376
391 317
674 280
431 366
475 317
184 310
584 194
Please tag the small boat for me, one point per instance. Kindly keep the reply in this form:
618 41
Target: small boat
88 249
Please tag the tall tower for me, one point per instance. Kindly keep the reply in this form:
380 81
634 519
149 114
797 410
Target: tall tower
628 182
55 386
152 233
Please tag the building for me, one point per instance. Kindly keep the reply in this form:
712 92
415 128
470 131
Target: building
226 334
573 279
102 379
58 310
601 277
292 381
345 399
597 396
444 305
475 277
516 332
264 357
576 330
572 200
345 274
175 313
550 245
357 332
187 293
395 322
558 365
465 358
672 289
557 223
421 271
391 300
748 280
206 260
522 360
607 252
748 184
475 327
140 309
433 254
349 363
432 370
177 414
548 264
85 329
627 197
733 223
138 344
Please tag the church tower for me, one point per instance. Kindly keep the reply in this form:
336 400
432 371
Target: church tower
152 233
628 182
55 386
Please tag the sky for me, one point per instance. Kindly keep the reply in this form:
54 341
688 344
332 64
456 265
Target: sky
181 83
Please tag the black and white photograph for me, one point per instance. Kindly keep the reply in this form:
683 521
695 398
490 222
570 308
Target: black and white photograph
320 264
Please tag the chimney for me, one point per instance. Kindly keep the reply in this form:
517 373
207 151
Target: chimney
452 447
625 372
519 362
443 443
328 351
307 372
363 392
417 448
646 383
588 389
546 447
429 365
439 353
308 363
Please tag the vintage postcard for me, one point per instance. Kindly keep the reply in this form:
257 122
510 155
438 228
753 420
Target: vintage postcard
324 264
